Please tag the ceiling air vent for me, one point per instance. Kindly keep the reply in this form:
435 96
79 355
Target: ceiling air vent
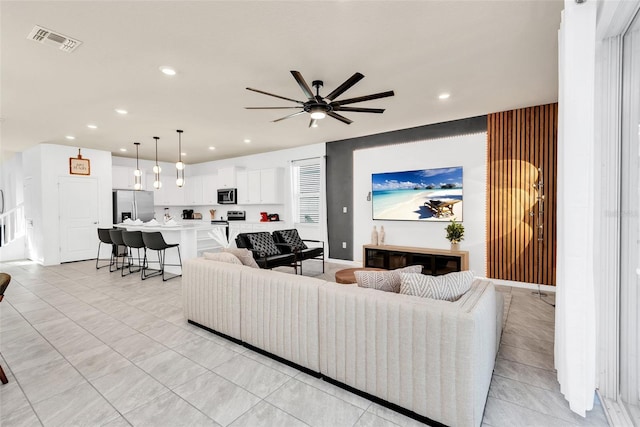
45 36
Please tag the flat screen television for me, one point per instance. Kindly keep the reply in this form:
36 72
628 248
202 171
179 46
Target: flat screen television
418 195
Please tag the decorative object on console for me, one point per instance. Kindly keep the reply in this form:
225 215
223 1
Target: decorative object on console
455 233
157 169
137 174
316 105
274 217
417 195
179 164
449 287
374 236
381 236
387 281
264 217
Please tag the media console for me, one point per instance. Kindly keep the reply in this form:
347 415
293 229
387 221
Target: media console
434 261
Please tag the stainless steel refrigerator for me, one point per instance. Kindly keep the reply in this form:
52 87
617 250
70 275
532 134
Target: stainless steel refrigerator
132 204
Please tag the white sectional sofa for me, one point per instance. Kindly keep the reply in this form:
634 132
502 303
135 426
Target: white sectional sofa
433 358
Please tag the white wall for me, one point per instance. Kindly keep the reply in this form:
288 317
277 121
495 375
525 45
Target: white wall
43 165
468 151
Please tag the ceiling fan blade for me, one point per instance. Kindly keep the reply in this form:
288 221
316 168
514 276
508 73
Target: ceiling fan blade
364 98
303 85
358 110
343 119
276 96
267 108
289 116
345 86
313 123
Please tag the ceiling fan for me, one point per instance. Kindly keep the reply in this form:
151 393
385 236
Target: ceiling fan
318 106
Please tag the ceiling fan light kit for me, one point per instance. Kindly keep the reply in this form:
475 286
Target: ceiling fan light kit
318 106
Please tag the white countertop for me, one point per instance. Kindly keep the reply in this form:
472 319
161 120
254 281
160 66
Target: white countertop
201 225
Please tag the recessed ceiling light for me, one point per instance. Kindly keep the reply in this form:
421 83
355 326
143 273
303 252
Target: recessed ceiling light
168 70
123 149
444 96
91 126
212 148
70 137
121 111
247 141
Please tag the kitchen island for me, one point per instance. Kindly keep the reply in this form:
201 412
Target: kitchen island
194 239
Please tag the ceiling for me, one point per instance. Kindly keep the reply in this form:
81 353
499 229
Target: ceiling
489 55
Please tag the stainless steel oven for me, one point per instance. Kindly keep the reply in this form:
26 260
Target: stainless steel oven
227 196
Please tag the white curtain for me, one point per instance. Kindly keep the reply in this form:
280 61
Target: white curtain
575 331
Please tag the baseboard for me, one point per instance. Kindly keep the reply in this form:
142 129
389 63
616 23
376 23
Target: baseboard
532 286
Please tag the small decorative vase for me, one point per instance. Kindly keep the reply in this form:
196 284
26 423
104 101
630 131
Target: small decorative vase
454 246
374 236
381 236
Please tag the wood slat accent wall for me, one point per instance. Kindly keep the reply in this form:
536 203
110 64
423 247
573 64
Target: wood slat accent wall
519 142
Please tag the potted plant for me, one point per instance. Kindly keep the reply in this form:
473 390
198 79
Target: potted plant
455 234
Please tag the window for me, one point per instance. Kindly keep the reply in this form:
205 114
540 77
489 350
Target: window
306 176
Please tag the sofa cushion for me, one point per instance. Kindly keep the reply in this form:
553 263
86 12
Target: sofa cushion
448 287
222 257
387 281
244 255
263 244
292 239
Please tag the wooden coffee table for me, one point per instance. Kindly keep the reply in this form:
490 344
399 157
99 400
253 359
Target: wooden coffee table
347 276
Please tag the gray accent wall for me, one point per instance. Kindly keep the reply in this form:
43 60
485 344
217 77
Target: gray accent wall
339 172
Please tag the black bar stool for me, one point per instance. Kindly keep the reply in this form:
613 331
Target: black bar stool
105 237
133 240
4 282
116 238
155 242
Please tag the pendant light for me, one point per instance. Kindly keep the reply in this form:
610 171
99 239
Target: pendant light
156 169
179 164
137 174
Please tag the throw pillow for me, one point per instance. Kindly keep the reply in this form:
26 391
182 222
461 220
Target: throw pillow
263 243
222 257
449 287
387 281
244 255
292 238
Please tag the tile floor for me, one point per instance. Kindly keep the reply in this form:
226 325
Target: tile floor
86 347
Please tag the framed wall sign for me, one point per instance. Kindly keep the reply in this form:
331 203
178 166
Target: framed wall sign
79 166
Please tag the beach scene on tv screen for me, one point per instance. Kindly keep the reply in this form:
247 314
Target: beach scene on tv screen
419 195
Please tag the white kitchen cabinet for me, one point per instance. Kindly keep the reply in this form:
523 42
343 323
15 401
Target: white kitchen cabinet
262 186
243 188
168 195
210 189
122 178
192 190
227 177
271 186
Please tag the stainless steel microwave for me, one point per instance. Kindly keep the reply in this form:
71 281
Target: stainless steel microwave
227 196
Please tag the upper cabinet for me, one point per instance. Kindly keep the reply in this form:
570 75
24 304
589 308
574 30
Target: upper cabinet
262 186
227 177
122 178
210 189
193 190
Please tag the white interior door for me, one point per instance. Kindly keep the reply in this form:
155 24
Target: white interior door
78 207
